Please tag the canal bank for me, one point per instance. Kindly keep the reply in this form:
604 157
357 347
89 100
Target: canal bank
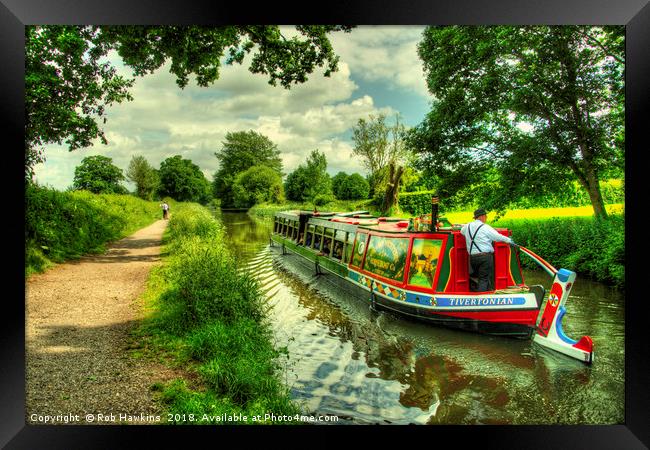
208 319
376 368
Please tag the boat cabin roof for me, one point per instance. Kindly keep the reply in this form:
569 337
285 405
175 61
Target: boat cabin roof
365 221
393 262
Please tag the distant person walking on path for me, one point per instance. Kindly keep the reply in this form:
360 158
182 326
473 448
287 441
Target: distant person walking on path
165 210
478 238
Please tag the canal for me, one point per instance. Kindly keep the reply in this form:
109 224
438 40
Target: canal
372 367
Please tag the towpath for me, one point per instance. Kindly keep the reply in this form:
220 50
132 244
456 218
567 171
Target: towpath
77 338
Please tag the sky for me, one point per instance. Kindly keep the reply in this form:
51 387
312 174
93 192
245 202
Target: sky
379 73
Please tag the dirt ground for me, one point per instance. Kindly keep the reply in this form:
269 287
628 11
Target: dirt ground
78 318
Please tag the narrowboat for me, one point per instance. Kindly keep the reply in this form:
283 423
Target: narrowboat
420 268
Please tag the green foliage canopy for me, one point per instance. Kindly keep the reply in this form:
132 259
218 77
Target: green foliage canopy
183 181
337 183
98 175
144 176
241 151
258 184
354 187
68 86
309 180
541 104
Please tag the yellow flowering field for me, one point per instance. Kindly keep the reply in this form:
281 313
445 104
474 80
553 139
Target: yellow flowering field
535 213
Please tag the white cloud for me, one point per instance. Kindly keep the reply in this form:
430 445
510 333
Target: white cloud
384 53
164 120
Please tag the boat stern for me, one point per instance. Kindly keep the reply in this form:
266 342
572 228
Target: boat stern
550 333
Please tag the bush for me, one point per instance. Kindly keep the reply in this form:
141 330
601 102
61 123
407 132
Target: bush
591 247
416 203
323 199
259 184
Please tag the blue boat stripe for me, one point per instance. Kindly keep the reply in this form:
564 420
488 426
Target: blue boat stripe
558 327
480 301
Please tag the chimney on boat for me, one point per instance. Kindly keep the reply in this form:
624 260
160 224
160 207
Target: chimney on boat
434 213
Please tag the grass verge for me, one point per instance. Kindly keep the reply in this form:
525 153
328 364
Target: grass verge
205 316
61 226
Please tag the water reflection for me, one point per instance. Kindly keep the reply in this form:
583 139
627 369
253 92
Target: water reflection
371 367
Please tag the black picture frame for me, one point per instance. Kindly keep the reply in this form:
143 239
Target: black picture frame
15 14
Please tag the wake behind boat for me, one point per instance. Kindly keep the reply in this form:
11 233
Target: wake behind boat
420 268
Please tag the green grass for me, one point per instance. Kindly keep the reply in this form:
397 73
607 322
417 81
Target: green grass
61 226
206 317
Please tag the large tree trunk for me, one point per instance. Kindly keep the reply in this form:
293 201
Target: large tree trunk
392 189
591 183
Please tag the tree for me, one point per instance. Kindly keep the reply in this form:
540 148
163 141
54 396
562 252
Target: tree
354 187
258 184
68 88
241 151
144 176
382 147
543 105
391 195
309 180
337 184
183 181
98 175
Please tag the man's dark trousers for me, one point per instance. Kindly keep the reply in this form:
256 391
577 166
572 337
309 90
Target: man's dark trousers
483 267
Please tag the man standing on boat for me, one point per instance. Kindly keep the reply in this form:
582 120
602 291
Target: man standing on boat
479 237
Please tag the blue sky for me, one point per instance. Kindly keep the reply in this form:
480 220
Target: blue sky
379 72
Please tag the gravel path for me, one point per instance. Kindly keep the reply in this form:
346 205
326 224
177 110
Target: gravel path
78 318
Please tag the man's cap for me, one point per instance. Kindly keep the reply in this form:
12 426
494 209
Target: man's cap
479 212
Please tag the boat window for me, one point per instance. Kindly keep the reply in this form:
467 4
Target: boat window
318 237
327 245
339 243
424 262
275 225
294 230
329 232
359 248
387 257
348 246
337 252
310 236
